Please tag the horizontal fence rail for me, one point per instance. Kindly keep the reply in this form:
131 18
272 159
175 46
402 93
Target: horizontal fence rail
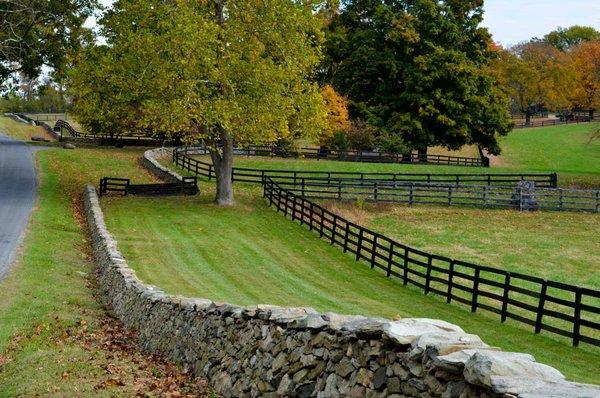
182 157
189 186
363 156
554 122
447 194
61 125
555 307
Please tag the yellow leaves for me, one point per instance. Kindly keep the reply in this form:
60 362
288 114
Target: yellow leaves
337 120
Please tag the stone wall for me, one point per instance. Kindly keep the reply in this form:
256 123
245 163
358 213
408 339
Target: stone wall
266 350
150 161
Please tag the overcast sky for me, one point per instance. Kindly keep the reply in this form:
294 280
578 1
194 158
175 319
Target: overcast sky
513 21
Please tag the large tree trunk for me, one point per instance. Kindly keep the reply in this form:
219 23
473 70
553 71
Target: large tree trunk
527 118
591 114
222 159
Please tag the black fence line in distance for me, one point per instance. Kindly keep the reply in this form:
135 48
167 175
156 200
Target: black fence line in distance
182 158
555 307
485 196
363 156
123 186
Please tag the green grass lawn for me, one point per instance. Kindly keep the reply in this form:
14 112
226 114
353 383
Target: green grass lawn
564 149
248 254
21 131
558 246
54 339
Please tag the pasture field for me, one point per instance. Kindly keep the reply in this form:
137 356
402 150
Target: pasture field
564 149
563 247
248 254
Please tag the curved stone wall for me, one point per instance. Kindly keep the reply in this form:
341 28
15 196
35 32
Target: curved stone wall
150 161
267 350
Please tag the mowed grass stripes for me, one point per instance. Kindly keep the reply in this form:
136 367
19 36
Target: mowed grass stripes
248 254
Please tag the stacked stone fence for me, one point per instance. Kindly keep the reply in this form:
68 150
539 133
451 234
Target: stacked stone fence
266 350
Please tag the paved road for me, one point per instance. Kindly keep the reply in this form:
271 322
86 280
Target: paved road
17 197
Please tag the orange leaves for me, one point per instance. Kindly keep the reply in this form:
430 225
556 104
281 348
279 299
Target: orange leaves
337 114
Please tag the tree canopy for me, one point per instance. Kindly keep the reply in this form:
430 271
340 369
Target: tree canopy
35 33
565 39
418 69
217 71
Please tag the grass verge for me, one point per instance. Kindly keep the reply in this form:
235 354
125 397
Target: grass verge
55 337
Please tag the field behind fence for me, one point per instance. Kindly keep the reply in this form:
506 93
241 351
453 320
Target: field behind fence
182 157
559 308
486 196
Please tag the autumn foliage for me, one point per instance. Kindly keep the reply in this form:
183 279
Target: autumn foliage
338 120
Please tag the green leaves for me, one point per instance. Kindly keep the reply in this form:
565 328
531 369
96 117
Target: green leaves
174 69
418 69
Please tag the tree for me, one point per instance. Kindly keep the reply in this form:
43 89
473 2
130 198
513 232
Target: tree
585 62
418 69
535 74
338 121
565 39
35 33
220 71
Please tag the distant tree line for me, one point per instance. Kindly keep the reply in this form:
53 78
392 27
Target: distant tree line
560 72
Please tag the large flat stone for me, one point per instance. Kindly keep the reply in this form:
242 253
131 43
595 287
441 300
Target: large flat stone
405 331
507 372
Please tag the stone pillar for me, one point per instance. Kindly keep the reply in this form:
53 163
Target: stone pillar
524 196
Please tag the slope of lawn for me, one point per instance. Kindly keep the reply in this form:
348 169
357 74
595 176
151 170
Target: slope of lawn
566 149
54 336
21 131
248 254
563 149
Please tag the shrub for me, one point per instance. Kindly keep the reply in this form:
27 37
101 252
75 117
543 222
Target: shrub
361 136
392 143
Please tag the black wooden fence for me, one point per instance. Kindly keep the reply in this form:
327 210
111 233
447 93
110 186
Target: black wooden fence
182 158
189 186
554 122
485 196
61 125
363 156
555 307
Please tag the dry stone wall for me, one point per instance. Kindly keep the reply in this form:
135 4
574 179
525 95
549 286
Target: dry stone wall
150 161
266 350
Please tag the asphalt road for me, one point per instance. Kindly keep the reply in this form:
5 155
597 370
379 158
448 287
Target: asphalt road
17 196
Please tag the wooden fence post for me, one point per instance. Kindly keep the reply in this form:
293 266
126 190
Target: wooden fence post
540 310
505 297
428 274
405 274
321 221
577 318
475 290
390 259
450 281
374 251
333 228
359 244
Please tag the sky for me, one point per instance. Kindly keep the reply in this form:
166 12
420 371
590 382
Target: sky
514 21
